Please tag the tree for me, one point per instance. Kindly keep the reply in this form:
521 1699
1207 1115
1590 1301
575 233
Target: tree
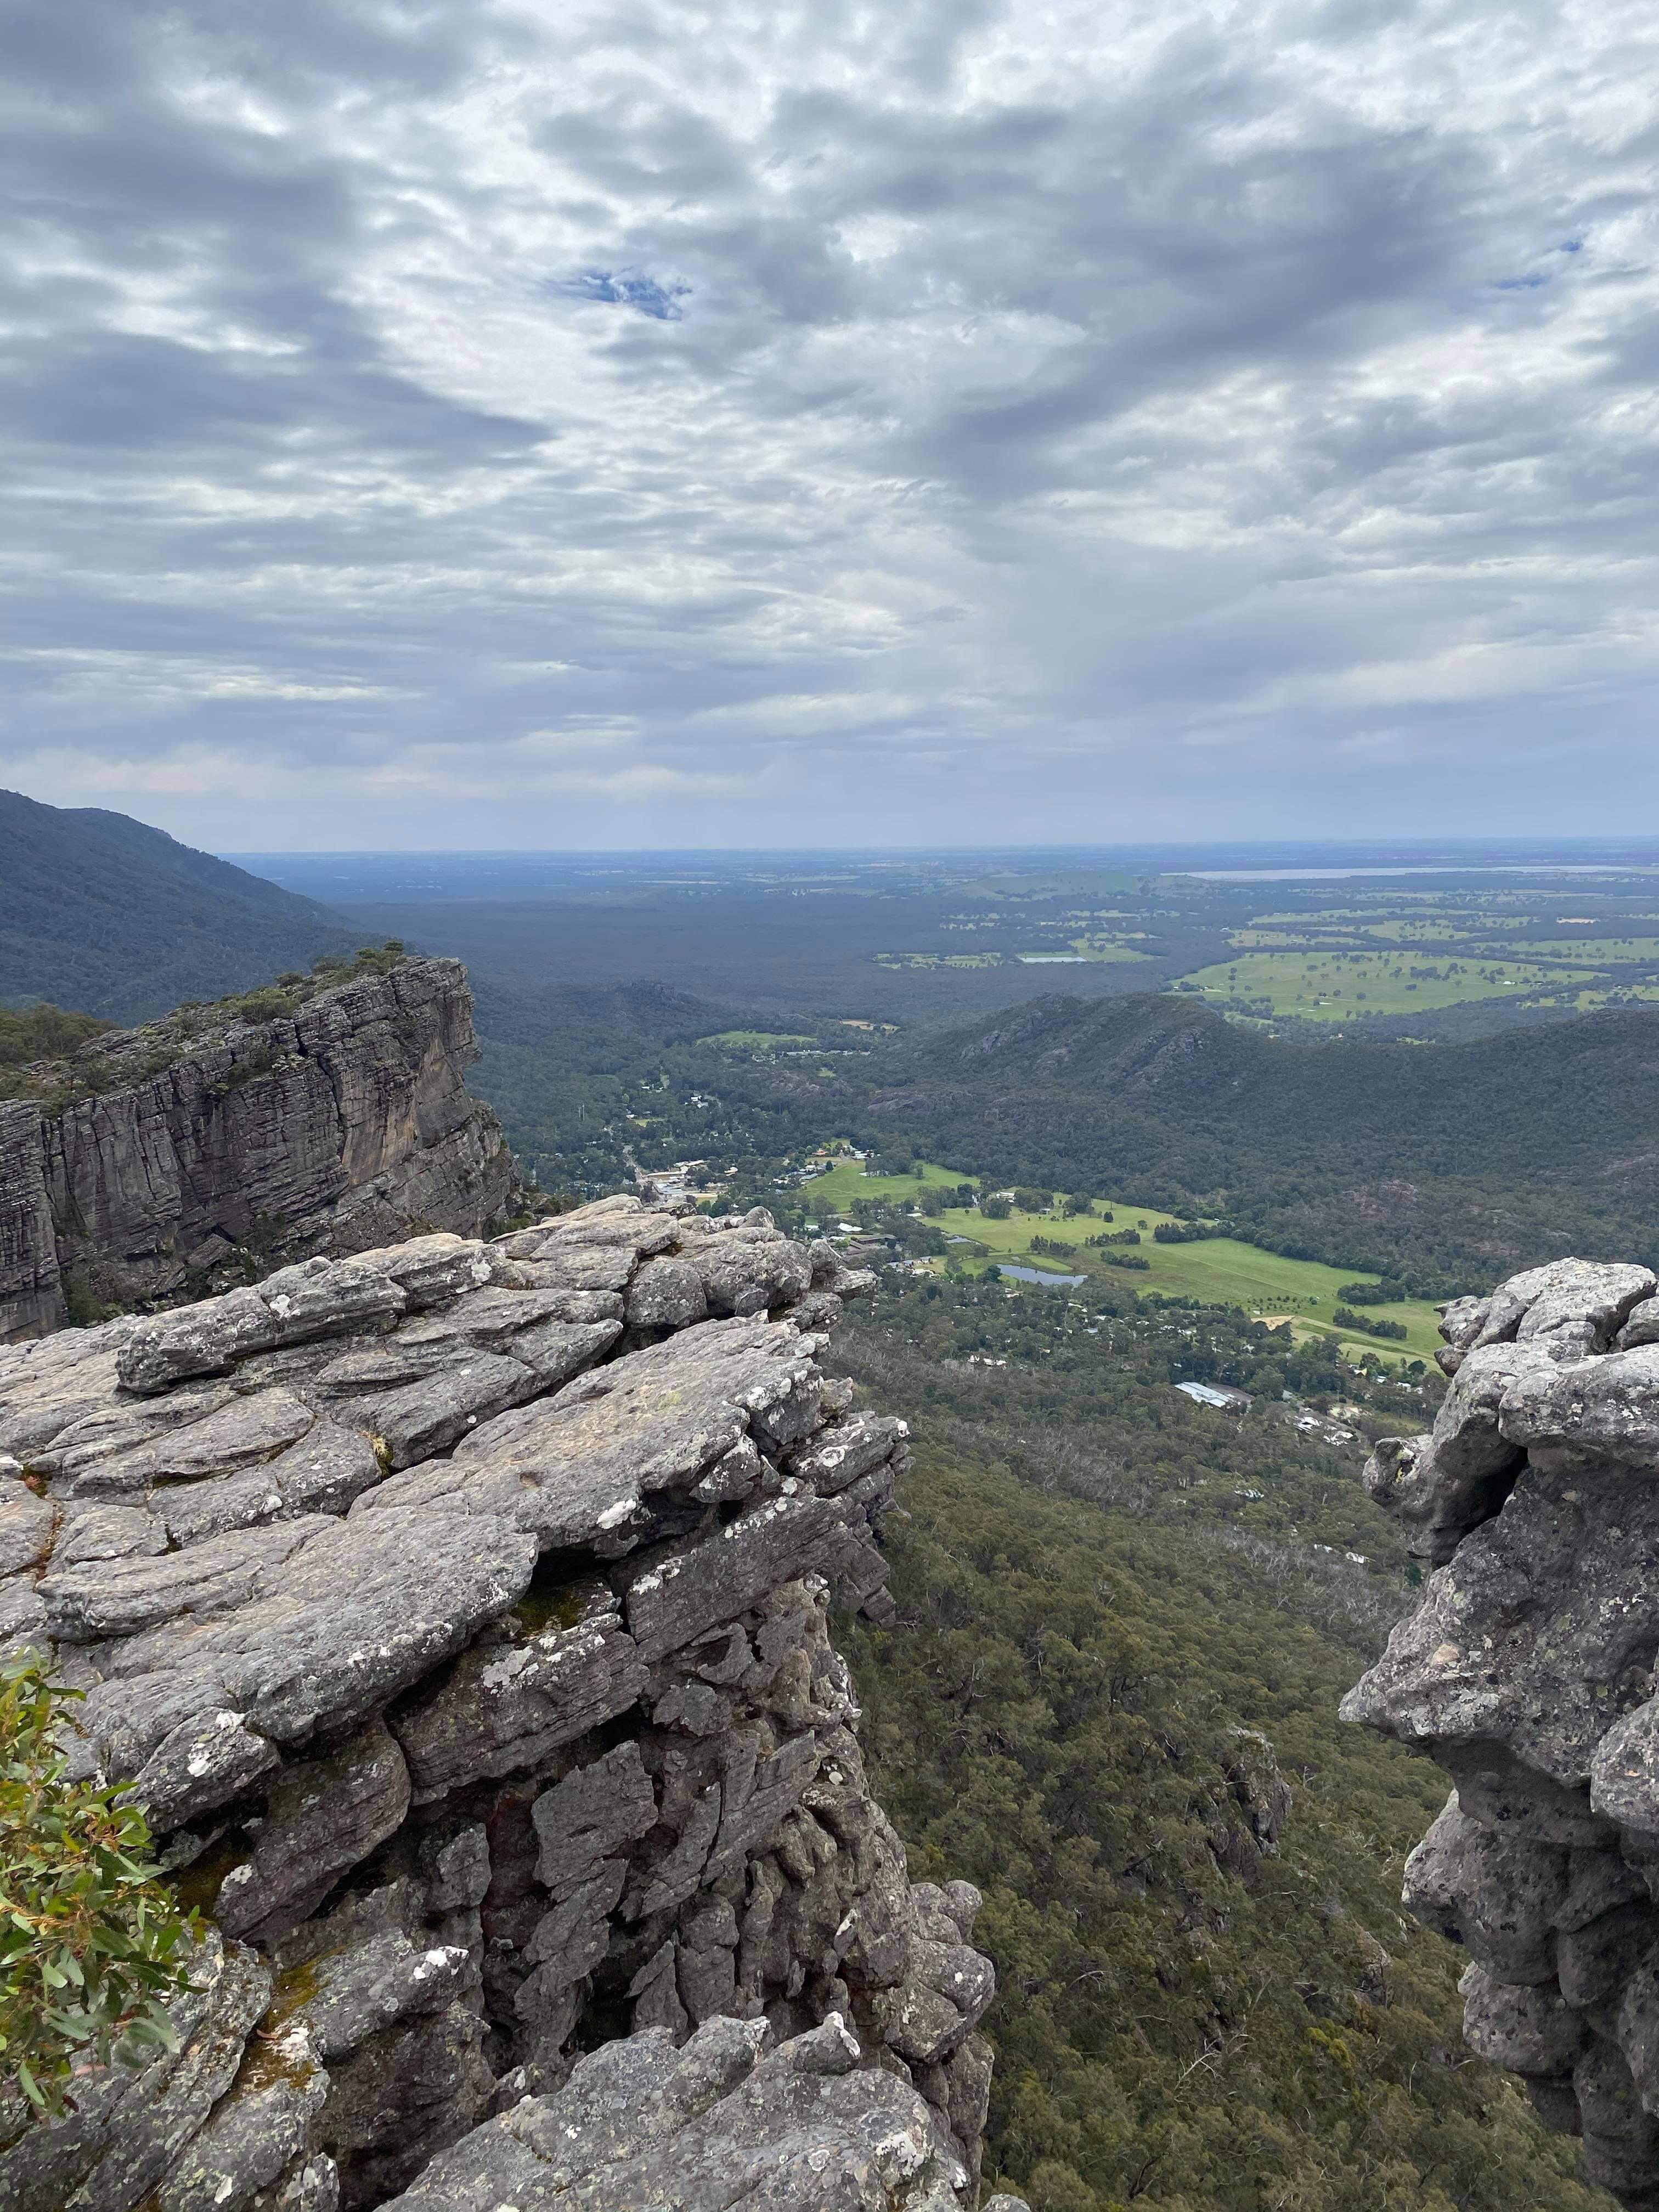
92 1943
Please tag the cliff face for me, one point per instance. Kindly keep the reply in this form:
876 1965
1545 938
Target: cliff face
460 1612
337 1129
1527 1672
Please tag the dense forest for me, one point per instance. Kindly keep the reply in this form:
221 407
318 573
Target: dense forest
107 916
1109 1702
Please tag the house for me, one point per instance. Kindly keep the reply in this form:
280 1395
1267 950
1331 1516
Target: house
1221 1395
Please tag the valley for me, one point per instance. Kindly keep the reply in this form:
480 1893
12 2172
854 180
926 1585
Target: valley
1158 1241
1304 1294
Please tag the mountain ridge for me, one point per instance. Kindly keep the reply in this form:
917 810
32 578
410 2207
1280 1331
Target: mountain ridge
106 914
1506 1148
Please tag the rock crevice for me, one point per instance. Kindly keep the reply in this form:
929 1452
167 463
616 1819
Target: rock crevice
460 1611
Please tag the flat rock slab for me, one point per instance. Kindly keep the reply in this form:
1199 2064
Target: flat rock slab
574 1469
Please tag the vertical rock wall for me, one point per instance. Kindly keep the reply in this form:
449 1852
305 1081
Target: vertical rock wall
339 1128
1527 1672
461 1614
31 1285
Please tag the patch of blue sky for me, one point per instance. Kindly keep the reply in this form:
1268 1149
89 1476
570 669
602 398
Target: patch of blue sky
624 287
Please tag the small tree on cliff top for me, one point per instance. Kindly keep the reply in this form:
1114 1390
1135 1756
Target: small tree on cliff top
93 1944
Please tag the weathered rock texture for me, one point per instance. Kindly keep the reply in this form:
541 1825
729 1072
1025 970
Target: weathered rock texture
337 1129
460 1611
1527 1672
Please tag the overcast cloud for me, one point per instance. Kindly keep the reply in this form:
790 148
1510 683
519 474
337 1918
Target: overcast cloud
931 421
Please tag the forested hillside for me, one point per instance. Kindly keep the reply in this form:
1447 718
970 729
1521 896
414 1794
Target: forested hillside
1109 1599
1443 1163
104 913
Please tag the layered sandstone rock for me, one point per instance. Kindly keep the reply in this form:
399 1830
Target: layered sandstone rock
460 1611
339 1128
1527 1672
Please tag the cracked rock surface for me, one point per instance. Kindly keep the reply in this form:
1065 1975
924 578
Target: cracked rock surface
460 1611
1527 1671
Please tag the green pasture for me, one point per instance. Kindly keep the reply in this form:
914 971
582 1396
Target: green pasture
755 1041
1594 951
1337 986
1094 946
828 1196
1220 1269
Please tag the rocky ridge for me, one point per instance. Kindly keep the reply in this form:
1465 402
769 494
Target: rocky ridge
343 1126
1527 1671
460 1612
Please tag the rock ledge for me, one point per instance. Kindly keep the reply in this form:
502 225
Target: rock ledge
460 1611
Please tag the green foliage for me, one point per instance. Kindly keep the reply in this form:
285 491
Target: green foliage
1183 2020
42 1033
89 1067
1033 1201
1345 1317
92 1942
1371 1294
994 1208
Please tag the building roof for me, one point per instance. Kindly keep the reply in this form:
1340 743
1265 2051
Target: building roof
1216 1393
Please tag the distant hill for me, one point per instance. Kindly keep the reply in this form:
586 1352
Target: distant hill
106 914
1452 1161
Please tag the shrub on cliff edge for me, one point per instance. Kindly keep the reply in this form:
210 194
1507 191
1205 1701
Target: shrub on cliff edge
92 1942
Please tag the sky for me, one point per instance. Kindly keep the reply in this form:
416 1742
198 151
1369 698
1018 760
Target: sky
548 424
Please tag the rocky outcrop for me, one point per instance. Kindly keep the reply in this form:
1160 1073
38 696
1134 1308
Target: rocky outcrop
336 1128
460 1611
1527 1672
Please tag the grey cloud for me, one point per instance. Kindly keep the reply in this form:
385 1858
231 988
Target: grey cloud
436 423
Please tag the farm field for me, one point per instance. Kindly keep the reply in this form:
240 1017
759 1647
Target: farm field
1329 986
757 1041
1222 1269
1596 949
1087 948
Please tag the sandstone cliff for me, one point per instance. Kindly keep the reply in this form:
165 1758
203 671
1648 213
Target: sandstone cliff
460 1611
341 1126
1527 1672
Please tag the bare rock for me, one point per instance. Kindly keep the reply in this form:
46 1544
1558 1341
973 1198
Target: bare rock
459 1612
342 1126
323 1816
1527 1670
640 2124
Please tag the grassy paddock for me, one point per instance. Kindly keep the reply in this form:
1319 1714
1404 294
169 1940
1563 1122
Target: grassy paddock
1346 987
756 1040
1223 1270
